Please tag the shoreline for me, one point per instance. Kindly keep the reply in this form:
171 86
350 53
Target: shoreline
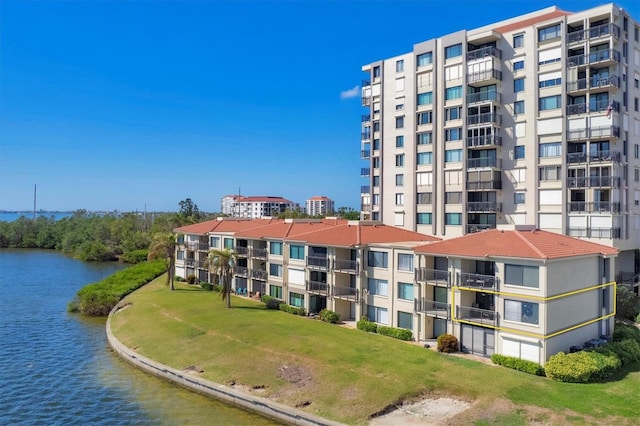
220 392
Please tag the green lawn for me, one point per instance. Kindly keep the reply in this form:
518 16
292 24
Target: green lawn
345 374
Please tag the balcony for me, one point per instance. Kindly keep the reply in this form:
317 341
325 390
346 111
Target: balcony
604 30
317 262
484 185
241 251
365 172
478 227
607 233
318 287
604 156
193 245
577 206
192 263
478 281
346 265
365 118
600 56
594 132
259 253
484 162
432 308
365 189
594 182
576 157
484 77
259 274
484 52
365 136
484 141
488 117
477 315
241 271
484 206
345 293
604 81
365 154
577 36
433 276
594 207
492 96
577 109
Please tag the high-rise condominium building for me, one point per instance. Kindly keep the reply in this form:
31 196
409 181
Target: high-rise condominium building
255 207
530 121
319 205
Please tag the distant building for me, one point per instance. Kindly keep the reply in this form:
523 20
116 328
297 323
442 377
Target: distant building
255 207
319 205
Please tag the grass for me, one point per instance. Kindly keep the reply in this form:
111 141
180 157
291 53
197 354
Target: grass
346 374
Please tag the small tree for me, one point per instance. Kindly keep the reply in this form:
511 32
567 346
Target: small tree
163 246
223 264
627 304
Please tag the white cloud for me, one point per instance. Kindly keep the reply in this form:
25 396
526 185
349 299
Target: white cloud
351 93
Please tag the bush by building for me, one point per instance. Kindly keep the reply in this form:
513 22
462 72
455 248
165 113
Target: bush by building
447 343
518 364
581 367
292 309
365 325
329 316
271 302
396 333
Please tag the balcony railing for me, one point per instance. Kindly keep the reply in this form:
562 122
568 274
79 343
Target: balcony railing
193 245
474 163
473 280
483 52
593 58
577 109
346 265
604 81
576 157
365 154
433 276
487 185
607 233
365 118
477 227
487 117
318 262
365 189
598 106
241 271
577 206
491 74
365 136
477 315
241 251
473 98
259 253
317 287
594 207
594 132
594 156
259 274
346 293
194 263
433 308
594 32
365 172
594 182
481 141
484 206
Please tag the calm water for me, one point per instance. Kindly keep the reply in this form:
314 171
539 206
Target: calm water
10 217
56 368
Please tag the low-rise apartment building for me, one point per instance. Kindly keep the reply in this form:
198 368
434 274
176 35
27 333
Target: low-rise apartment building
255 207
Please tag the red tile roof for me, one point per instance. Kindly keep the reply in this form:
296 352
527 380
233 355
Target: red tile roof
531 21
223 225
532 244
263 199
284 229
353 234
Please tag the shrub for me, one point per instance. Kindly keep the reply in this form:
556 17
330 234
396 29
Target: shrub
627 351
135 256
581 367
178 278
623 332
191 279
206 286
271 302
329 316
292 309
518 364
365 325
447 343
396 333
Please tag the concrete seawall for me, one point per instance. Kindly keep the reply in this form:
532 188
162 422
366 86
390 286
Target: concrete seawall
218 391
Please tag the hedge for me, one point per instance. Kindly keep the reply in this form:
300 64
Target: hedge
447 343
329 316
623 332
518 364
292 309
627 351
581 367
271 302
365 325
396 333
206 286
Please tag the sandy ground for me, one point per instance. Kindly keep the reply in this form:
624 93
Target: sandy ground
425 412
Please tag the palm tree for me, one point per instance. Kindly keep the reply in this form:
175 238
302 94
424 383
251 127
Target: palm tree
223 264
164 246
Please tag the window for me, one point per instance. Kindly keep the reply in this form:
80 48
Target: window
453 93
453 156
400 122
635 104
180 239
405 262
526 312
454 134
376 181
399 199
399 180
526 276
180 255
425 138
553 149
399 141
400 160
636 151
518 197
549 33
424 198
518 85
424 218
405 291
275 248
275 291
550 102
453 218
378 287
376 144
550 82
425 98
377 259
377 314
518 65
518 41
453 51
399 104
452 113
453 198
275 270
376 72
296 252
425 117
376 199
425 59
424 157
550 173
636 175
518 152
214 242
400 65
228 243
376 162
518 107
296 299
405 320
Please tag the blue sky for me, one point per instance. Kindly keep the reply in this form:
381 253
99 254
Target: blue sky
125 104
